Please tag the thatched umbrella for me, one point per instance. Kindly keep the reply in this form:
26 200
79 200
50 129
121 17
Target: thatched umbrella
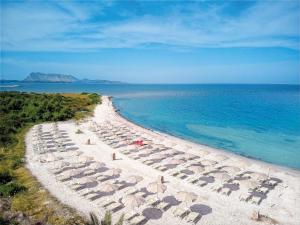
133 201
134 179
249 184
189 156
187 197
259 176
61 164
108 187
222 177
72 173
97 165
208 162
203 153
175 161
113 172
242 163
156 187
85 159
220 158
86 180
231 169
159 156
196 169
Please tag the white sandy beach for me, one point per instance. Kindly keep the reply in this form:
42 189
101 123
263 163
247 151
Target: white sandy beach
280 202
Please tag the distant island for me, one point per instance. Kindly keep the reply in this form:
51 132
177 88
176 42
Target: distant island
38 77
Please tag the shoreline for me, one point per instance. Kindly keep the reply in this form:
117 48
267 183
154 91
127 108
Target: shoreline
281 202
214 149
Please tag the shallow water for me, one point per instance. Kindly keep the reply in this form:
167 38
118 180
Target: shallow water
258 121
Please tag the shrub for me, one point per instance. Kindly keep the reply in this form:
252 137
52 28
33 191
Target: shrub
10 189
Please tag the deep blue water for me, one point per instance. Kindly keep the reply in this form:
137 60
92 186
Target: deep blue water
258 121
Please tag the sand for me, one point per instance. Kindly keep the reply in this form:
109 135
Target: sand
282 203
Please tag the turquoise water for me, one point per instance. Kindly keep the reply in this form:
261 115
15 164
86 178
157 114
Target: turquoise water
257 121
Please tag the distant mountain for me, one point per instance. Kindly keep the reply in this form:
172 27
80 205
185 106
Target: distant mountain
38 77
55 78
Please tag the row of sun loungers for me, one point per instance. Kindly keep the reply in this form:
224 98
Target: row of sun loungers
117 134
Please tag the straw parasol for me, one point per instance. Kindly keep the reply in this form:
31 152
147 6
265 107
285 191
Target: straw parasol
109 187
77 153
175 161
250 184
220 158
133 201
97 165
61 164
171 151
208 162
86 180
259 176
231 169
187 197
156 187
134 179
203 153
222 177
242 163
85 159
72 173
189 156
113 172
159 156
147 151
196 169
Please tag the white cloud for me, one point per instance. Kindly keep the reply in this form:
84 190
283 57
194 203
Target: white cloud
67 26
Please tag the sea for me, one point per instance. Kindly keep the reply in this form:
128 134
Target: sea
256 121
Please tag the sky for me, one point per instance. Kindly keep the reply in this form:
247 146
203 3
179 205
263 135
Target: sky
153 41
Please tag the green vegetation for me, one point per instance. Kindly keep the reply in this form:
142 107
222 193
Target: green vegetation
18 112
105 221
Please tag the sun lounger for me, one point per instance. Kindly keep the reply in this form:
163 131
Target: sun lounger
263 190
88 172
91 195
193 180
131 190
182 176
163 205
86 191
161 168
180 212
141 194
152 201
271 183
201 183
104 203
193 217
245 196
76 186
217 188
114 206
148 162
225 191
130 215
256 200
63 177
137 220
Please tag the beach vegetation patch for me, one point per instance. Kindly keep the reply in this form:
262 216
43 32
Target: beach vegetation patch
19 111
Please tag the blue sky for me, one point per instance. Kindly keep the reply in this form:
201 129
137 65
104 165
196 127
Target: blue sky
153 42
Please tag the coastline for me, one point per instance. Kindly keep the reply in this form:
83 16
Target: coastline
281 204
206 147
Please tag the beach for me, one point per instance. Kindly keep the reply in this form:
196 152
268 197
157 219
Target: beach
74 161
